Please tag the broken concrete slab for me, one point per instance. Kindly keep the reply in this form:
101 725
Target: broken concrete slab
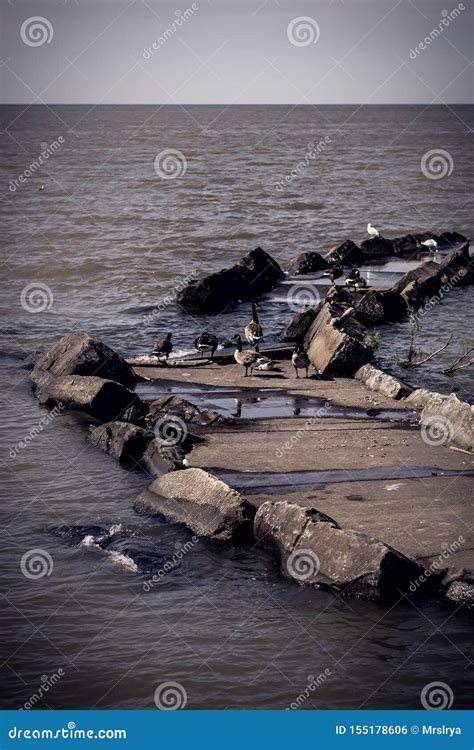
297 327
201 501
448 421
126 442
304 263
382 382
332 349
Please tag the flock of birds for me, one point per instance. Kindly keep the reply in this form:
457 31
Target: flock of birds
251 359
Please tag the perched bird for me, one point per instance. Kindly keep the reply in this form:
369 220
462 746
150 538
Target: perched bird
361 283
41 188
163 347
264 363
352 277
372 231
300 359
334 273
247 359
253 330
206 342
431 244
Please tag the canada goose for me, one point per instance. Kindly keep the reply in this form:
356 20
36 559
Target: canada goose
372 231
334 273
206 342
360 283
352 277
163 347
265 364
247 359
431 244
253 330
300 359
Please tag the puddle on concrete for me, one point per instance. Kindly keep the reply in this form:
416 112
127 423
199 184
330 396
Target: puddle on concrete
284 482
272 403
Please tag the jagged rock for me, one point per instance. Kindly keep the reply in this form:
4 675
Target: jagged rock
80 354
377 247
307 263
160 457
315 552
394 305
382 382
369 309
176 405
420 396
348 253
124 441
105 400
427 276
448 420
299 324
459 266
257 272
334 350
201 501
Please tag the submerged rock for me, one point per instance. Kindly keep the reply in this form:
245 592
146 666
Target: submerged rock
307 263
201 501
314 551
254 274
105 400
126 442
331 348
382 382
80 354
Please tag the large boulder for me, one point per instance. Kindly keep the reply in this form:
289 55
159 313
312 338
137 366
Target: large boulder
161 457
377 247
331 348
307 263
201 501
80 354
126 442
298 325
382 382
347 253
314 551
105 400
254 274
427 276
448 420
459 266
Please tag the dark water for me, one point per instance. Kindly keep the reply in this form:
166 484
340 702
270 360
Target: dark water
110 240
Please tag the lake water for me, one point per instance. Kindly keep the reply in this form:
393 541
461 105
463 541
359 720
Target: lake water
108 241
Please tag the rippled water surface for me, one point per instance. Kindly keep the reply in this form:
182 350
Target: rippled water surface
111 241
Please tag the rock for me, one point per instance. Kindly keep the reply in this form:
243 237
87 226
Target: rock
159 458
349 253
299 324
448 420
254 274
377 247
394 305
420 396
80 354
176 405
382 382
427 276
201 501
459 267
369 309
461 592
126 442
105 400
334 350
307 263
315 552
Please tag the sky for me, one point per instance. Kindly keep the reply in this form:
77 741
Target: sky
236 51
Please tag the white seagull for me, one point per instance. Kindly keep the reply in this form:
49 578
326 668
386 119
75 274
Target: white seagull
431 244
372 231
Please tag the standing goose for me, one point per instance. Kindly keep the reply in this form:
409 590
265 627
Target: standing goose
352 278
334 273
300 359
372 231
247 359
253 330
163 347
206 342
